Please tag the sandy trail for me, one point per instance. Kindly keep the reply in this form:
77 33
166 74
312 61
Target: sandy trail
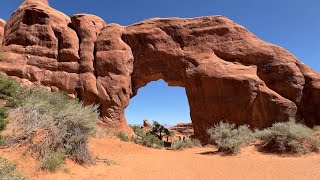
136 162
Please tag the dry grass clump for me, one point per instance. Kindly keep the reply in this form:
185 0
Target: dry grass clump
288 137
53 161
53 123
147 139
188 143
121 135
282 138
8 171
229 139
8 92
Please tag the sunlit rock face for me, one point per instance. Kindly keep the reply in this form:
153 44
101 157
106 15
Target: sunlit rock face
229 74
2 24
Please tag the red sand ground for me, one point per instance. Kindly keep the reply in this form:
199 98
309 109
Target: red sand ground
136 162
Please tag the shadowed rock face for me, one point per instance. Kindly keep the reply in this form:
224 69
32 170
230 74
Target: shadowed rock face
228 73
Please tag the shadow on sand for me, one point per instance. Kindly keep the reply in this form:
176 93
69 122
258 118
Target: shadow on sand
210 153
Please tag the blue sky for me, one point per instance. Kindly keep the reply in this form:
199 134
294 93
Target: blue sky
292 24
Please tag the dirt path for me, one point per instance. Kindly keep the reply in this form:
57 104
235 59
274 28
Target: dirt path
136 162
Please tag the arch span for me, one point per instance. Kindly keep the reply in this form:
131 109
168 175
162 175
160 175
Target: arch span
228 73
216 89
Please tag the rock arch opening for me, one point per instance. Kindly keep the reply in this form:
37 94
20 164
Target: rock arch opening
159 102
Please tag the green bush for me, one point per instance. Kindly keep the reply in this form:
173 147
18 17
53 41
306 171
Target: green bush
121 135
8 87
146 139
138 131
8 171
152 141
8 91
53 162
2 140
229 139
179 145
196 142
288 137
67 124
3 115
149 140
3 122
159 130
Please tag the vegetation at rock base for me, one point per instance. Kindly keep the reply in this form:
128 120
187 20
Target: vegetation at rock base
159 130
152 138
146 138
288 137
8 171
65 125
53 161
121 135
282 138
228 138
51 124
8 93
188 143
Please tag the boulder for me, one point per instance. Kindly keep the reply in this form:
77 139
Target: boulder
229 74
40 46
146 124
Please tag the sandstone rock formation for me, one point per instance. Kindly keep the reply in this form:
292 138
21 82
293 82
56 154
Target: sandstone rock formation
146 124
228 73
2 24
185 129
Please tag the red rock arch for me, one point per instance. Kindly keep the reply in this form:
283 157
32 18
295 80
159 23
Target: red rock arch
217 89
229 74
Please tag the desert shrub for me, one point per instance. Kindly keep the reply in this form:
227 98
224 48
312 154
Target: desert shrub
138 131
8 87
288 137
3 122
8 171
316 130
121 135
229 139
196 142
53 161
2 141
149 140
3 116
8 91
179 145
159 130
146 139
61 123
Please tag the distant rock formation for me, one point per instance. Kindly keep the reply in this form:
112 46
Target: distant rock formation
183 128
146 124
228 73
